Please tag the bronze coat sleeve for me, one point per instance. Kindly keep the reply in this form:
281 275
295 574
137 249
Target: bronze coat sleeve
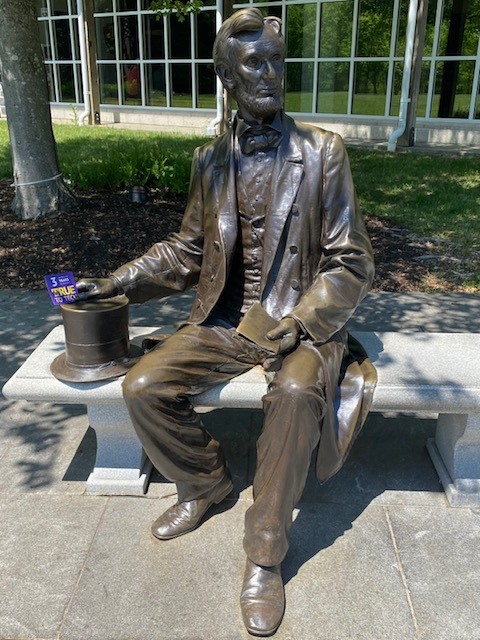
174 264
346 270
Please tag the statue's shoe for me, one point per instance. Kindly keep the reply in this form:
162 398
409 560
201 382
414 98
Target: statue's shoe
184 517
262 599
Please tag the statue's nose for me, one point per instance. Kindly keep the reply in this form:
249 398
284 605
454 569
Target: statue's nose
268 70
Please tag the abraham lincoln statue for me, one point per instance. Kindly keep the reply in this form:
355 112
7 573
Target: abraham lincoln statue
271 229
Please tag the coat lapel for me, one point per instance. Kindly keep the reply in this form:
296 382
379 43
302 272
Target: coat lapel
286 177
225 196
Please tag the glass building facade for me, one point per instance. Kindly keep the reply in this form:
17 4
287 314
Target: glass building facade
344 57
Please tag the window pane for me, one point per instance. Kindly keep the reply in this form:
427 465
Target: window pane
206 86
374 28
396 89
460 28
402 28
156 89
76 46
205 24
78 71
477 110
45 40
423 91
108 83
422 94
132 93
301 30
105 38
370 88
453 89
333 87
59 7
67 85
126 5
181 85
430 29
179 38
336 29
62 39
101 6
299 86
50 85
154 47
128 29
472 29
271 11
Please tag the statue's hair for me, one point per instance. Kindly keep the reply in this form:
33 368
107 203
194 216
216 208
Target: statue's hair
246 20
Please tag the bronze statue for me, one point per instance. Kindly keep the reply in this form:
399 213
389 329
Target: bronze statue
271 227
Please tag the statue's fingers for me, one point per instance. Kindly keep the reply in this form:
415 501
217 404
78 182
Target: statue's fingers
274 334
287 343
86 295
85 285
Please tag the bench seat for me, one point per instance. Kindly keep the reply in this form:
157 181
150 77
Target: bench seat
417 372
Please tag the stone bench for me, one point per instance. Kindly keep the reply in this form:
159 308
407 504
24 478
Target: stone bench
417 372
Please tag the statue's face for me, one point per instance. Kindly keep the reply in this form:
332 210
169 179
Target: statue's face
256 73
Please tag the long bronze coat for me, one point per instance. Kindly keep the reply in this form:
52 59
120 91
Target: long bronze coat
317 263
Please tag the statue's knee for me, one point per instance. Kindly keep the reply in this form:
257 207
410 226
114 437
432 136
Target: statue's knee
292 388
148 385
290 392
135 384
141 384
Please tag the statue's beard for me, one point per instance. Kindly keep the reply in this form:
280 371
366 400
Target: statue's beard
259 107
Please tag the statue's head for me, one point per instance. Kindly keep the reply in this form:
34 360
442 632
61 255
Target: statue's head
248 55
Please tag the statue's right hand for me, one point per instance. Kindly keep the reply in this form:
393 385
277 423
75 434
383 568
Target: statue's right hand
96 288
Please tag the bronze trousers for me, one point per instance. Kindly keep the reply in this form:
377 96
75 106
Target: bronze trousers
158 390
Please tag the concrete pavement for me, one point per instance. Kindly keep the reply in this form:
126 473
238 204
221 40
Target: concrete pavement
376 553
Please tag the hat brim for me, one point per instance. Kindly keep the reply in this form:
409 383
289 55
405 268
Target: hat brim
96 373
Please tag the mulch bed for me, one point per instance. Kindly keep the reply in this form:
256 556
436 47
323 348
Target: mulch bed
106 229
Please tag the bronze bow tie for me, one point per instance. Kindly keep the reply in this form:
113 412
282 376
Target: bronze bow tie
260 139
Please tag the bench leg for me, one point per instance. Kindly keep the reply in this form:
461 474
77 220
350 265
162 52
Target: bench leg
121 467
455 453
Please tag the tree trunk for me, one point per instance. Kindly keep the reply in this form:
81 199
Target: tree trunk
39 186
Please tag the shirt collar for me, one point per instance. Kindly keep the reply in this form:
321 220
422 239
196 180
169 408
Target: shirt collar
241 126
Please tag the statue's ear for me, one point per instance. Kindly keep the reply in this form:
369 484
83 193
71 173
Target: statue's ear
274 22
225 75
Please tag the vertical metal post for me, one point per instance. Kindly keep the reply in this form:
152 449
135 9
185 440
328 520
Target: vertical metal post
407 139
90 37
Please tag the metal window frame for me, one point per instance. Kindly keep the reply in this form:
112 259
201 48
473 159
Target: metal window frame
193 61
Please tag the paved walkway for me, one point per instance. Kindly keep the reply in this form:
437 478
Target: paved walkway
376 553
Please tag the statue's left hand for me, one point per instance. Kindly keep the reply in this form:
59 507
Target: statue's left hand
289 331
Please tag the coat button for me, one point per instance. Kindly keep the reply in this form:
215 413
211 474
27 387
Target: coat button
293 249
295 284
216 245
295 210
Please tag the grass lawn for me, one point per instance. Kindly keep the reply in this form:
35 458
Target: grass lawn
431 195
111 158
437 195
